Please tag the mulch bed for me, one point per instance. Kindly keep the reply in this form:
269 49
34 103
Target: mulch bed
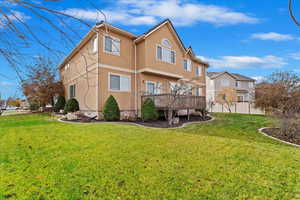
275 132
160 123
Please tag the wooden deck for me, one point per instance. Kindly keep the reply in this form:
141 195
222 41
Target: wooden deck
180 102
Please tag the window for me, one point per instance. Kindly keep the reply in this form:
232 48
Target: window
67 66
153 88
198 71
198 92
166 43
150 87
251 84
187 65
119 83
72 91
240 99
159 53
225 83
238 84
165 54
112 45
95 44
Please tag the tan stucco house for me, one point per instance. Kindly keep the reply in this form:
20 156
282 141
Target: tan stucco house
243 86
111 61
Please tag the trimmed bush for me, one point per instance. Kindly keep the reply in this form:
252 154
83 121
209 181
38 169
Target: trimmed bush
72 105
149 112
60 104
111 111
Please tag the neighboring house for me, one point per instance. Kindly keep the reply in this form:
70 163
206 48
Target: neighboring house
244 86
24 104
111 61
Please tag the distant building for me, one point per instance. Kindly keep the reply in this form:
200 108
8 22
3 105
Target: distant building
243 85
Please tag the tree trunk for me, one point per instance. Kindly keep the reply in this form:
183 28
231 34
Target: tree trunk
170 117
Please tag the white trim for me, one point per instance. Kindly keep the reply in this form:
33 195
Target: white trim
116 74
165 39
159 73
116 68
113 27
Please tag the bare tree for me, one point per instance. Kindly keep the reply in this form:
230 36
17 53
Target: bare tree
279 95
227 97
18 34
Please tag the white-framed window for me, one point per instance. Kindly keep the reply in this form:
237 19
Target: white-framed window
238 84
187 65
153 87
198 92
67 66
72 91
119 82
251 85
225 83
95 44
198 71
112 45
165 55
166 43
240 98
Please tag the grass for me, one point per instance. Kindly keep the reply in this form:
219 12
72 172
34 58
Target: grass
226 159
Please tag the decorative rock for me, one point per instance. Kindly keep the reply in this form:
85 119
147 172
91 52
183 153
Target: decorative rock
71 116
175 120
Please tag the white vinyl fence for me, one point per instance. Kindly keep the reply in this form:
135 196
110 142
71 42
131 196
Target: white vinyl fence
238 107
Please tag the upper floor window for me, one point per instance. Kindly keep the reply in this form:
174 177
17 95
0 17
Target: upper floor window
111 45
187 65
95 44
67 66
166 43
198 92
198 71
251 85
72 91
165 54
238 84
119 82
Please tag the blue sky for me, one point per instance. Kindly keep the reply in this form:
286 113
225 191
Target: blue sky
251 37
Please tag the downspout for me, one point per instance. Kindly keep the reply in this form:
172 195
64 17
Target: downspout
98 76
135 81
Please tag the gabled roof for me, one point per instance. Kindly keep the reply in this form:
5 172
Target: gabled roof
238 77
132 36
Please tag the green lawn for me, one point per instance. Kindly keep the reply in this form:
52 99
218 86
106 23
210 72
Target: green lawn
225 159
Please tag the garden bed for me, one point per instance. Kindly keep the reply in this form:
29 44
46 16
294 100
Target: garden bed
275 132
160 123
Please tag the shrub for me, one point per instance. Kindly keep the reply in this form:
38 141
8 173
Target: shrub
34 106
72 105
111 111
60 104
149 112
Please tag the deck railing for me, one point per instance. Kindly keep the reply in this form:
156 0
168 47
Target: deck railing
178 102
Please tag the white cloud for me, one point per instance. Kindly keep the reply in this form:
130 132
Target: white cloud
258 78
295 56
240 62
121 16
137 12
273 36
